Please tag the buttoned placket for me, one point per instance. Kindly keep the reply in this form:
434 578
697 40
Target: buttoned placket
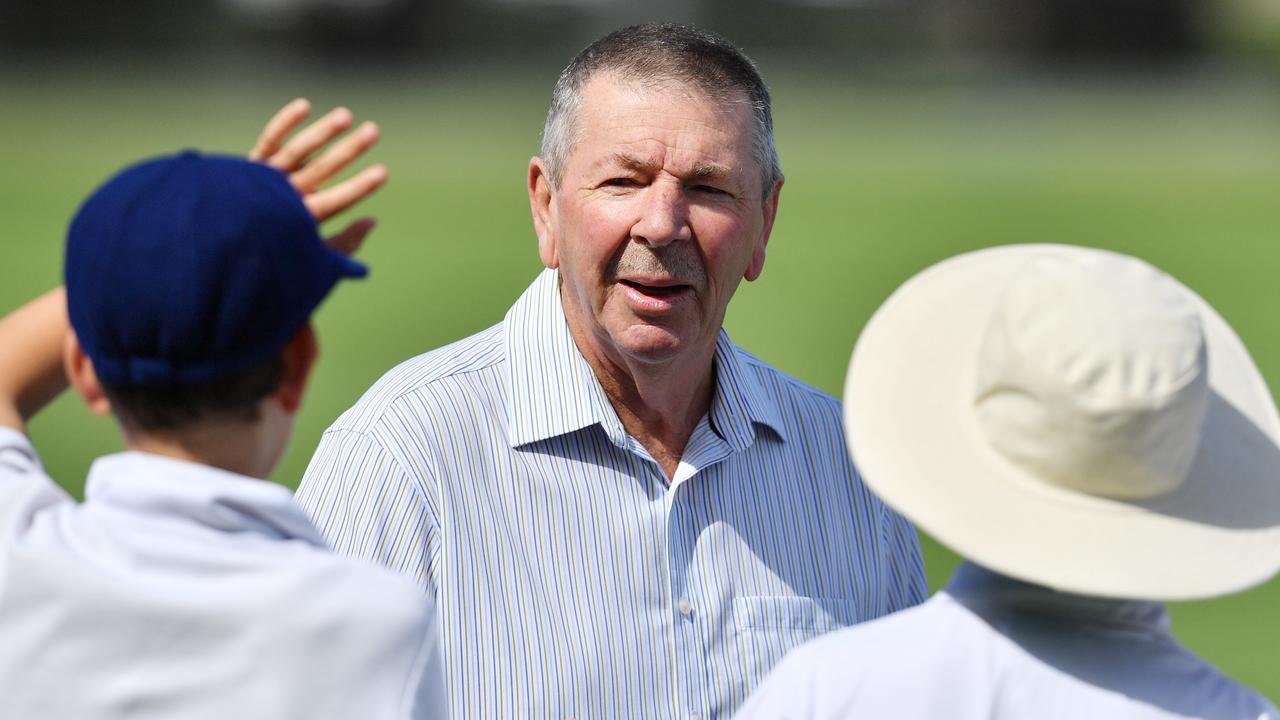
689 644
728 428
705 449
690 657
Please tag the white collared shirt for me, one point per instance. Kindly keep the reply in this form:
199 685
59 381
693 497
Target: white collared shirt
573 579
178 590
993 648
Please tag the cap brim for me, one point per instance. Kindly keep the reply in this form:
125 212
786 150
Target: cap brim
913 433
348 267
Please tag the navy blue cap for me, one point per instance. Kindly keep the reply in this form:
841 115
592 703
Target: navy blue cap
185 268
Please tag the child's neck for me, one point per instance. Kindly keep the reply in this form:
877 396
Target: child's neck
251 449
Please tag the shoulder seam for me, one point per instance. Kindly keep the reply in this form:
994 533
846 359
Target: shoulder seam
763 367
393 399
414 481
371 412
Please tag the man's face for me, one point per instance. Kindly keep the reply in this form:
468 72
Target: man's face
659 215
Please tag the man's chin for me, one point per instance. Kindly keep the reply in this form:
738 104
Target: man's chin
652 344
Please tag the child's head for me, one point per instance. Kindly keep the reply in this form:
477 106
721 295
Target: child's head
190 283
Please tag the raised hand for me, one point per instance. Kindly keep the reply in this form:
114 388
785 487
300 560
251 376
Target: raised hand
312 156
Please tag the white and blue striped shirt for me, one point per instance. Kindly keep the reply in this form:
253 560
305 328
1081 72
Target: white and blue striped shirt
572 579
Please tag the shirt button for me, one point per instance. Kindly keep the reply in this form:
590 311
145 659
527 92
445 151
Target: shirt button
685 608
695 716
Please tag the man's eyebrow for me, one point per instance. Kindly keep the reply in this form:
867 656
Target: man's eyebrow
630 162
701 171
709 171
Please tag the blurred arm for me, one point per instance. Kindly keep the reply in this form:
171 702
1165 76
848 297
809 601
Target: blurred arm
31 373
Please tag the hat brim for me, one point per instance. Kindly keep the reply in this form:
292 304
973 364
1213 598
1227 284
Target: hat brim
913 433
344 266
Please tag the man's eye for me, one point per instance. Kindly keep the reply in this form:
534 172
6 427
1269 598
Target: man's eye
710 189
619 182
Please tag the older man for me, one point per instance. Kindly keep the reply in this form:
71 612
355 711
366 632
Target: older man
621 513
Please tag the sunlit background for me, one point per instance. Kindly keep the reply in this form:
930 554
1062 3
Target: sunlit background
910 130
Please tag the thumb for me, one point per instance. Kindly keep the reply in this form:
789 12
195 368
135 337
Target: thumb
352 237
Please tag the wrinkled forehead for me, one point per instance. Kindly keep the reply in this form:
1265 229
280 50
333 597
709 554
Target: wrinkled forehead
621 111
605 88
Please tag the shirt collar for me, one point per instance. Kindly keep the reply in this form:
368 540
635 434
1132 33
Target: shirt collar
553 391
987 593
154 485
740 403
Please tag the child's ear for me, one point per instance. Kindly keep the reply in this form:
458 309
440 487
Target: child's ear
299 359
83 377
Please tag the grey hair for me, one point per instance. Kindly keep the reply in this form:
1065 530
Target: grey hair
651 55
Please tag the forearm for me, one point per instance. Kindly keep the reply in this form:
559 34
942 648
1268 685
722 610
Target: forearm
31 374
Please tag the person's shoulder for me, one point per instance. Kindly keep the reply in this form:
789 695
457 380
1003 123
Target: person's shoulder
911 648
811 419
471 354
862 666
17 456
25 488
380 625
425 373
787 389
1251 705
934 628
1230 699
395 599
363 607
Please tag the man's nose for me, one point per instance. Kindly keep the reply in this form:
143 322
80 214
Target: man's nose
664 215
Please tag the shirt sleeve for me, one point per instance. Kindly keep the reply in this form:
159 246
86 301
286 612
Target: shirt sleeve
907 584
25 489
368 508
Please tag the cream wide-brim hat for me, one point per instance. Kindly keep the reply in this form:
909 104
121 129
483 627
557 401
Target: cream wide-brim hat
1073 418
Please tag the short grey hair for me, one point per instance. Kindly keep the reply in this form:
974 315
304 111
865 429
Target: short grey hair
654 54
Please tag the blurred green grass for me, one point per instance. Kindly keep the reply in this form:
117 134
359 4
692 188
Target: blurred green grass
884 178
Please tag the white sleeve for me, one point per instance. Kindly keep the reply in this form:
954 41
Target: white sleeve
17 457
24 487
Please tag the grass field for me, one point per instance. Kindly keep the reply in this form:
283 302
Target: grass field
884 178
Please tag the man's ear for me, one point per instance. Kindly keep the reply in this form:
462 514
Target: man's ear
83 377
540 204
299 357
756 265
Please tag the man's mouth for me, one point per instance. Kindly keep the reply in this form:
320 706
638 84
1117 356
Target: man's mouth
655 295
660 288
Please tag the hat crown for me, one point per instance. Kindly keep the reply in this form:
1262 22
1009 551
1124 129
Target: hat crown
184 268
1093 376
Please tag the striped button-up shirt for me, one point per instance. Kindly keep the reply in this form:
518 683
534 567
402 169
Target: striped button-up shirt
574 580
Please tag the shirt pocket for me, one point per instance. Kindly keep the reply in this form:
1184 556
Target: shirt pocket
767 628
814 616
